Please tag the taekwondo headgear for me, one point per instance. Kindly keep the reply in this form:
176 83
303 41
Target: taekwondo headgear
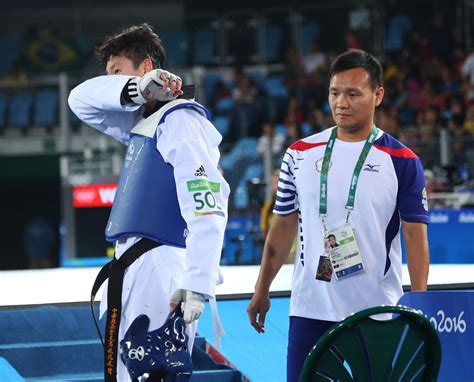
159 355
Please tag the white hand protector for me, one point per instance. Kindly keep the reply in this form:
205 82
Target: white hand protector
192 304
157 84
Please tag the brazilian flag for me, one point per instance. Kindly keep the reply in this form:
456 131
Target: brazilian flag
51 54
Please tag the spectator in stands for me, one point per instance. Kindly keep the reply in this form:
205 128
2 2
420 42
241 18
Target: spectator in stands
293 131
244 90
221 91
270 141
294 110
455 115
392 71
385 117
426 97
468 74
429 179
449 83
314 60
245 117
352 41
469 121
16 77
428 124
440 37
314 116
398 95
294 68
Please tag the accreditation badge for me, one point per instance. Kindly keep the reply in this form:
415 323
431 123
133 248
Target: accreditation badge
342 250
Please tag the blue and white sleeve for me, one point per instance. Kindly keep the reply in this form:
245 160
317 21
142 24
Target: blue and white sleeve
286 198
412 199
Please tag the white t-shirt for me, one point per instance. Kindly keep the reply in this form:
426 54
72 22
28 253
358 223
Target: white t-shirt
391 187
468 68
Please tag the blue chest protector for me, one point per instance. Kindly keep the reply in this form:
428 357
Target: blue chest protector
146 202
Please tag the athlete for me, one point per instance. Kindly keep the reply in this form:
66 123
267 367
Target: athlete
358 183
170 208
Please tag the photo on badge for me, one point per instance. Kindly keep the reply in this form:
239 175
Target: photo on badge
324 271
331 241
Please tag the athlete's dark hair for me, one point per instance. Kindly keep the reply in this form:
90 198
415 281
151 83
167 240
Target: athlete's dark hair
356 58
136 43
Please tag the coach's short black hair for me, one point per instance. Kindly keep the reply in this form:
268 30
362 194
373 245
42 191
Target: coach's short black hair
136 43
356 58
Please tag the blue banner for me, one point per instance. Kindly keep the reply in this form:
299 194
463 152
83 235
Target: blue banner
452 314
451 236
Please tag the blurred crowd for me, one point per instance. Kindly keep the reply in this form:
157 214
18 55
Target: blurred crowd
429 86
428 80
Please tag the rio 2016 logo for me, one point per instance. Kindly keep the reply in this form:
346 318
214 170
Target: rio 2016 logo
445 324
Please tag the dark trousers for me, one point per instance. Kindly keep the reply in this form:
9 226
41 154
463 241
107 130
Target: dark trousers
302 336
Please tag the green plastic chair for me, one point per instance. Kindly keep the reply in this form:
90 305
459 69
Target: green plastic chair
362 349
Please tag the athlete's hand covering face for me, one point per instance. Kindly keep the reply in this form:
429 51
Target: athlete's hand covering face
157 84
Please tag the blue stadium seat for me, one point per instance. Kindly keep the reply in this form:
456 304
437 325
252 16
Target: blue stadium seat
225 105
397 28
243 154
204 46
10 51
85 43
19 109
244 148
280 129
269 42
241 197
209 83
253 171
222 124
177 43
45 110
309 31
306 128
245 117
275 86
257 79
274 106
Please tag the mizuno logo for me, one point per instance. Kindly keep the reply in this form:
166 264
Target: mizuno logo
371 167
200 171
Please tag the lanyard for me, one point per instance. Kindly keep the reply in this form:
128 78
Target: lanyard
323 190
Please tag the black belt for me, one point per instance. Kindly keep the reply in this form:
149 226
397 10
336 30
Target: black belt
114 270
